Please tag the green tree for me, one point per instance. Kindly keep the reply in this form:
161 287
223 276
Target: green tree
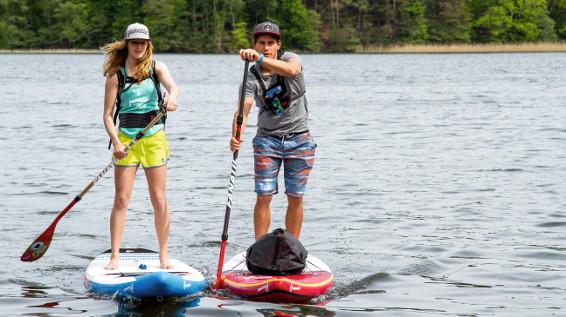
101 16
557 12
344 39
514 21
410 23
70 24
358 12
448 21
297 29
531 22
494 25
224 23
161 18
309 25
382 16
240 38
260 11
127 12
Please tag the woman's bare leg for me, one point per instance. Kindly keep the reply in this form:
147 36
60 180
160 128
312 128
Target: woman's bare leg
156 180
123 183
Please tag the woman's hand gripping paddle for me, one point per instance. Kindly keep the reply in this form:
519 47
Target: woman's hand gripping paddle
40 245
239 121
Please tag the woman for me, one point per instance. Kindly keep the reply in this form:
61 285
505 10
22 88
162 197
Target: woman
137 99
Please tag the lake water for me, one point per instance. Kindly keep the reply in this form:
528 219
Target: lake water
438 188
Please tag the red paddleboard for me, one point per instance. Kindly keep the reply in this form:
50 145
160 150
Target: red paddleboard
314 281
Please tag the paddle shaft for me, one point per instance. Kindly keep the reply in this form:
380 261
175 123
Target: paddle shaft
39 246
239 121
108 167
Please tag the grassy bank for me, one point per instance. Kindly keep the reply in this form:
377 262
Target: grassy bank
466 48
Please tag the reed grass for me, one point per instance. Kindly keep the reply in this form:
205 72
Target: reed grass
465 48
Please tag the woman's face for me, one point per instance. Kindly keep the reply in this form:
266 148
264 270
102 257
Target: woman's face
137 48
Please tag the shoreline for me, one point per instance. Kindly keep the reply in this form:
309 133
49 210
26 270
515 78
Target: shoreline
51 51
554 47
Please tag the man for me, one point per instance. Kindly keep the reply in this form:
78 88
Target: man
277 86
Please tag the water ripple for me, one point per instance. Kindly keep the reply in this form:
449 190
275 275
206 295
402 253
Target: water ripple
441 198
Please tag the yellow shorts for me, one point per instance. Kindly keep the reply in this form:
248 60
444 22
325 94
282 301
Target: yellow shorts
151 151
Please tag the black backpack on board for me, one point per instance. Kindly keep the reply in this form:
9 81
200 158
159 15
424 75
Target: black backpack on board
276 253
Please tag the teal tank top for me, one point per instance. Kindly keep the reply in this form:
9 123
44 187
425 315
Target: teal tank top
139 98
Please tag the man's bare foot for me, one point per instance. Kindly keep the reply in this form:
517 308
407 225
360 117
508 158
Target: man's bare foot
112 265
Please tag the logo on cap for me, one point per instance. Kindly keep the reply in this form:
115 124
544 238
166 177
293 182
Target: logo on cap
267 28
136 31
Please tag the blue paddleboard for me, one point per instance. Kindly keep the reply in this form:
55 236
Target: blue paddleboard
140 276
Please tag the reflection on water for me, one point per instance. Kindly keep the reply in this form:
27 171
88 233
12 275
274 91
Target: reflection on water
33 292
437 188
297 311
152 308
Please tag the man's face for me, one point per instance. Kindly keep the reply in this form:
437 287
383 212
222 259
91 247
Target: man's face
267 45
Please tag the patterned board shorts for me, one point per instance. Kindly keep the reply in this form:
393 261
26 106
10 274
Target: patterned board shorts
296 153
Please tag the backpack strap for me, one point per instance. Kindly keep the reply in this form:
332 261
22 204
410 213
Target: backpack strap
121 85
157 83
153 76
255 72
121 88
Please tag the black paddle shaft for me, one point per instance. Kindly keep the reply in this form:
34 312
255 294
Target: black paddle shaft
239 121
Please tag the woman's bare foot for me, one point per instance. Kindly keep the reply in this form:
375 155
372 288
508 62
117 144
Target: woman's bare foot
164 263
112 265
167 266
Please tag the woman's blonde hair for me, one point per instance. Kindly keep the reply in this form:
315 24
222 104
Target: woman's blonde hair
116 54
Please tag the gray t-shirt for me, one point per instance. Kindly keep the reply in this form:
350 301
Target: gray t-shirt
295 117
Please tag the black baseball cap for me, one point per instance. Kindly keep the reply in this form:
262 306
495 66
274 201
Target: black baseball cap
269 28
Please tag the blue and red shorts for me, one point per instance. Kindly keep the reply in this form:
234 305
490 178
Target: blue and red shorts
295 152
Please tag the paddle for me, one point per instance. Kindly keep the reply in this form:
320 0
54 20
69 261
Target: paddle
239 121
40 245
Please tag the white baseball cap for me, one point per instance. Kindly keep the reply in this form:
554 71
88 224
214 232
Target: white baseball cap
136 31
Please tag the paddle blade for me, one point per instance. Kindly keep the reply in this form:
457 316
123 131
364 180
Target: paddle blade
38 247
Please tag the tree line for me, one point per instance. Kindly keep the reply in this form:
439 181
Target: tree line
217 26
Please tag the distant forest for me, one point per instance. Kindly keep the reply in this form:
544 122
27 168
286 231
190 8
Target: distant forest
217 26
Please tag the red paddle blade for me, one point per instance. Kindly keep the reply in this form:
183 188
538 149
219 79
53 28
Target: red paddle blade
38 247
